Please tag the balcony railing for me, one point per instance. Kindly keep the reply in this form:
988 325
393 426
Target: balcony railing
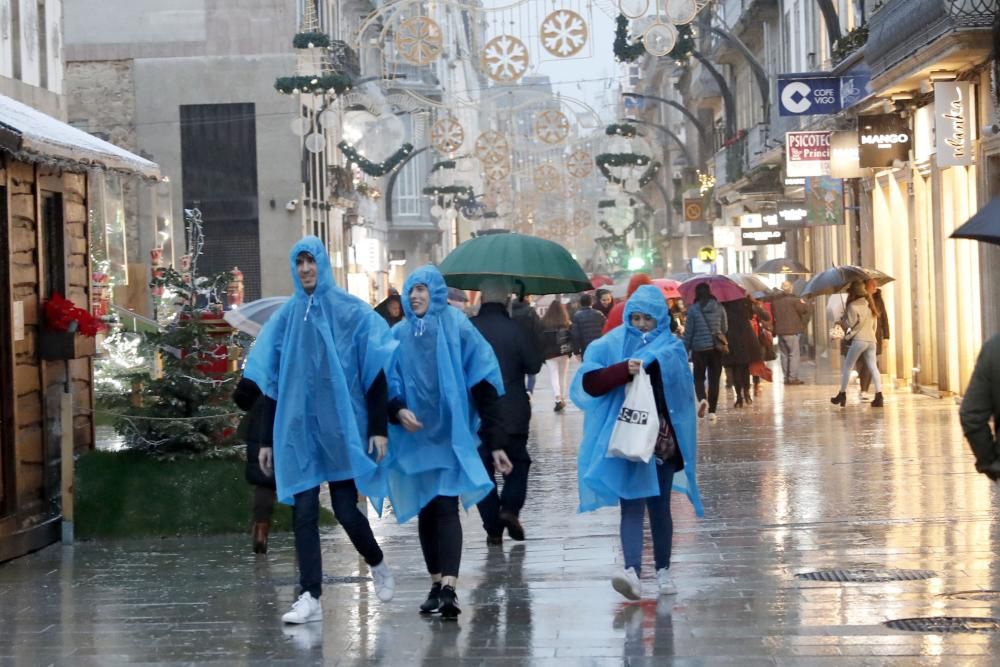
900 28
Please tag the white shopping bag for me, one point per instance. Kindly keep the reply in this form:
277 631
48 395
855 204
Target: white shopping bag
637 425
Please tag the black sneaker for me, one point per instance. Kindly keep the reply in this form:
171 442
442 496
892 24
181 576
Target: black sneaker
560 406
449 603
494 540
513 524
433 601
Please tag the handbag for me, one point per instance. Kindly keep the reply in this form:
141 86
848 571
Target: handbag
720 341
766 340
637 424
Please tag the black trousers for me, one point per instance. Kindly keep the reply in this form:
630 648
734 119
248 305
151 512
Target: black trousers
710 362
305 519
740 376
263 504
515 485
440 531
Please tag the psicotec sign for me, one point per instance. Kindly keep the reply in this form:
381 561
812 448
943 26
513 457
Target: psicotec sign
883 139
954 122
807 154
808 95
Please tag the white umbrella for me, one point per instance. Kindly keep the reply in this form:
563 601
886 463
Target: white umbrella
251 317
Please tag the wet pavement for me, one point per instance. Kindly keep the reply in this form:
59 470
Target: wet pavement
791 485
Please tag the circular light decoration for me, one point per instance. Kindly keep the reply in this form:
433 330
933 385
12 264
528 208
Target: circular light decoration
299 127
547 178
564 33
492 147
505 59
681 12
580 164
551 126
496 171
419 40
660 39
582 219
447 135
315 143
633 8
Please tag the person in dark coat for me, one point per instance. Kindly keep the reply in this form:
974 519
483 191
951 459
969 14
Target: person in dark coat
391 309
982 403
518 357
523 312
257 430
744 348
587 325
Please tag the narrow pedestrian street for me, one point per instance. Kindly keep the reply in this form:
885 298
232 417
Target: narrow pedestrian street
791 485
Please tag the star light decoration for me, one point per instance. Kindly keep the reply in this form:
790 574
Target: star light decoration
419 40
447 135
547 178
496 171
563 33
492 147
551 126
580 164
505 59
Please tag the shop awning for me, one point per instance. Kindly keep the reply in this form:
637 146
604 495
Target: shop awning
27 132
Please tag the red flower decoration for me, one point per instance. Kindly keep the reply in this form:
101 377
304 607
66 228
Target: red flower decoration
61 314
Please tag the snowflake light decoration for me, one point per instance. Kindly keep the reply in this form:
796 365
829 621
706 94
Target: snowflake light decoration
492 147
547 178
419 40
505 59
564 33
551 126
447 135
580 164
496 171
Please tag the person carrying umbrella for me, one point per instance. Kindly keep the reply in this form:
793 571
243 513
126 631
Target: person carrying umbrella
518 357
790 318
706 321
444 383
323 358
610 363
860 318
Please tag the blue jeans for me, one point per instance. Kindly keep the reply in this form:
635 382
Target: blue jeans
788 345
861 349
305 520
661 524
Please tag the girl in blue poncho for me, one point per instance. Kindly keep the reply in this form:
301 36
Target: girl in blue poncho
444 376
609 364
322 357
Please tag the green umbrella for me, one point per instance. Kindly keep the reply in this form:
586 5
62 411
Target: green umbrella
539 265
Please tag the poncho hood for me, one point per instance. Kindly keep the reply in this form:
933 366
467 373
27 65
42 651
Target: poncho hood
432 279
324 270
604 480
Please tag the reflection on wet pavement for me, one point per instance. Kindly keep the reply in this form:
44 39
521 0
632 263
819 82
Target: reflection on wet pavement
791 485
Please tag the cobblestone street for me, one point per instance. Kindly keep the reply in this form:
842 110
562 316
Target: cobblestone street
791 485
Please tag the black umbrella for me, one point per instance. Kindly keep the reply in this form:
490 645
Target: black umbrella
782 265
839 278
983 226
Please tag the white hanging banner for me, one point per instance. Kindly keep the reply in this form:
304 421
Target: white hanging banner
954 122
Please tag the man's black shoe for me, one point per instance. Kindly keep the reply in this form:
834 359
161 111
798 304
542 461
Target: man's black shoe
514 527
494 540
433 601
449 603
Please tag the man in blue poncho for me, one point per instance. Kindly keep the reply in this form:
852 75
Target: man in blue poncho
609 364
444 378
323 358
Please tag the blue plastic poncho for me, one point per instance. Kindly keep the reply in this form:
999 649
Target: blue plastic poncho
440 358
317 357
602 479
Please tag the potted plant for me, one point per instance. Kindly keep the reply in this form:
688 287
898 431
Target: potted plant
69 331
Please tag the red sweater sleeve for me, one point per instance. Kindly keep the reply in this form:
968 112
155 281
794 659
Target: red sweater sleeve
614 317
604 380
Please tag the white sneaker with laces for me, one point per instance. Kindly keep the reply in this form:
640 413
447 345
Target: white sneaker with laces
666 582
712 417
627 583
385 583
306 609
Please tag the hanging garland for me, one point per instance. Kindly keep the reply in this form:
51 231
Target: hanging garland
373 168
462 192
338 83
622 130
311 40
605 161
625 52
444 164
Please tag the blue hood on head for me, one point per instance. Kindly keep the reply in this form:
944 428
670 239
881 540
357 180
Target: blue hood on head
430 276
648 300
324 271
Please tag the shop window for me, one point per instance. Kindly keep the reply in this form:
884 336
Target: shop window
54 242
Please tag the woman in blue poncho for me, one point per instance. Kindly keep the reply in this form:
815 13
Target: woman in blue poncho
609 364
444 376
323 358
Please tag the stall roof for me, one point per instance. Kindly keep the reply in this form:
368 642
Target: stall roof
27 131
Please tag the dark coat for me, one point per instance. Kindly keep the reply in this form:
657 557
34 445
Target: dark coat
256 428
586 328
524 315
518 356
982 402
556 343
744 348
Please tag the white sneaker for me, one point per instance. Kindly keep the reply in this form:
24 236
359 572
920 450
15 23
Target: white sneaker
702 408
713 418
627 583
306 609
666 582
385 583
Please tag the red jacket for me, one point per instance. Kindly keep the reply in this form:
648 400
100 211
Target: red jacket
618 311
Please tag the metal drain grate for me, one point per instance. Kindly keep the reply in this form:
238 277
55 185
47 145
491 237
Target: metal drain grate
866 575
947 624
981 596
327 579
